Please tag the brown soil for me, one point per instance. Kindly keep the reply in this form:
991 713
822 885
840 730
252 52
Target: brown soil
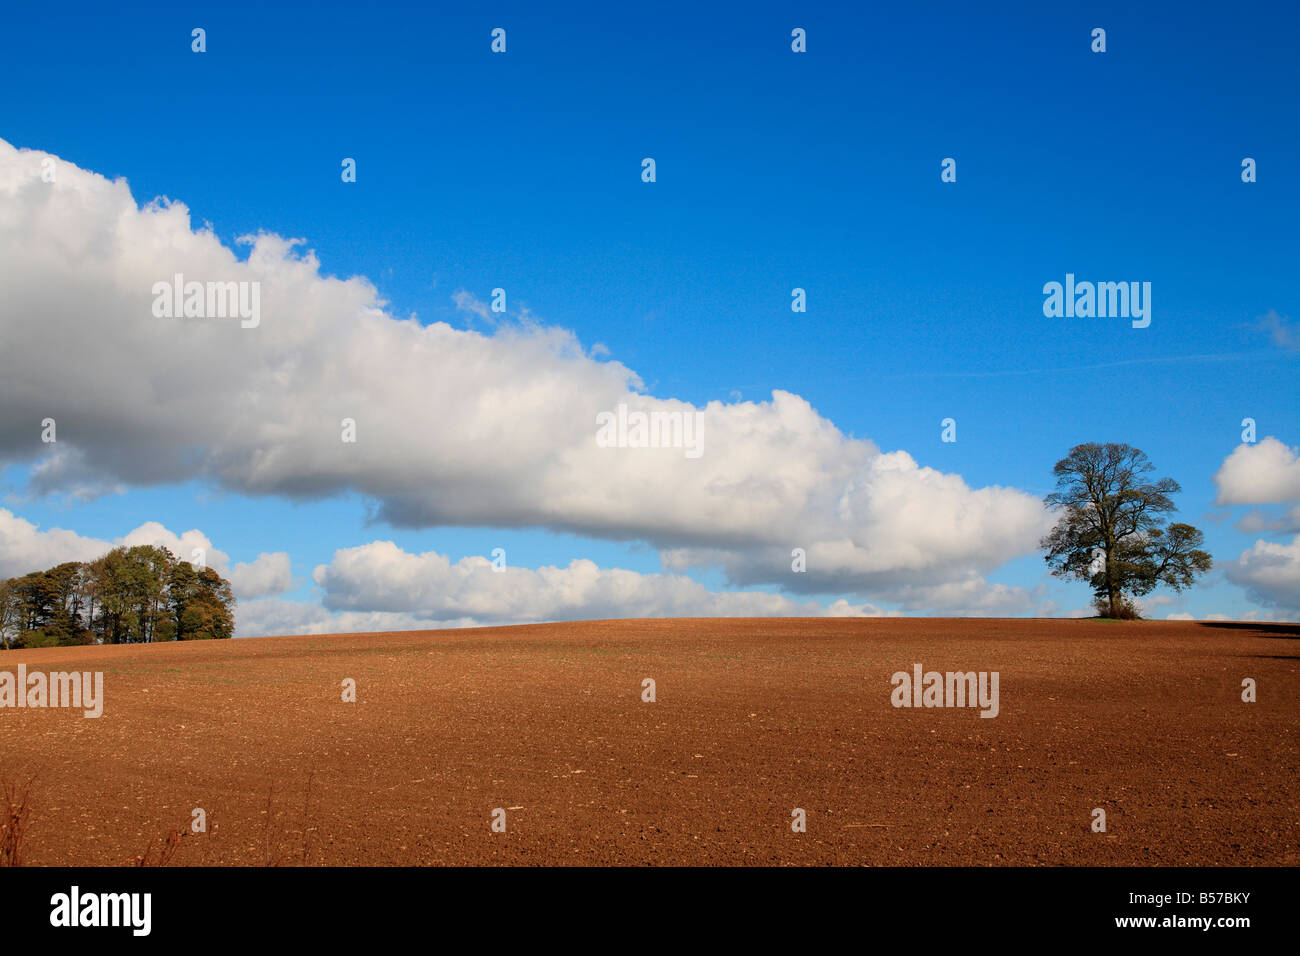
753 718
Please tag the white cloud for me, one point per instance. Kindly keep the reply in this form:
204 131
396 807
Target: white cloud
192 545
380 587
267 575
24 547
1257 520
1265 473
1262 473
380 577
1270 573
972 597
843 608
453 426
895 530
274 616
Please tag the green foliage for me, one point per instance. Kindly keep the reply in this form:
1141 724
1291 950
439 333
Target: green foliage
34 639
1112 531
130 595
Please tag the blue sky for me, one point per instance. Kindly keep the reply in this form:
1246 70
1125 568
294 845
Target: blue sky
775 170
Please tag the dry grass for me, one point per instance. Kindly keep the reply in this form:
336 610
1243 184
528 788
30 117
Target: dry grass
1126 609
274 854
13 821
170 844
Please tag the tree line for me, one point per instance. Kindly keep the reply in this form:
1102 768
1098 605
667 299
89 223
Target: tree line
131 595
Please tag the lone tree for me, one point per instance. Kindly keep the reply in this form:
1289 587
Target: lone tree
1112 531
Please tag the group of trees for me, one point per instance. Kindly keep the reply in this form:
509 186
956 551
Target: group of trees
131 595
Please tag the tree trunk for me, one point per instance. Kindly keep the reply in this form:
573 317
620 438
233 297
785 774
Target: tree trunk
1112 588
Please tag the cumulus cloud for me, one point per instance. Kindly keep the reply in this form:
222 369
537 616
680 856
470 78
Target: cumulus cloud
380 577
267 575
193 545
276 616
842 608
1262 473
972 596
1270 573
1257 520
896 530
1265 473
454 427
24 547
380 587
